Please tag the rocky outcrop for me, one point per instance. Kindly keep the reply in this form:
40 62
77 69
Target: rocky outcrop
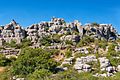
12 31
86 59
81 63
73 31
101 31
107 67
104 63
73 38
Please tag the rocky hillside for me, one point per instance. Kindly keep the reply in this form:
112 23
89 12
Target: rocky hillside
57 50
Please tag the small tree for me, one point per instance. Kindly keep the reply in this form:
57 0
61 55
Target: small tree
41 74
11 44
46 40
4 61
32 59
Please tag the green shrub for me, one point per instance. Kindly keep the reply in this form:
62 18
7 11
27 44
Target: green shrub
11 44
32 59
68 53
46 40
114 61
41 74
85 41
80 55
4 61
73 75
69 42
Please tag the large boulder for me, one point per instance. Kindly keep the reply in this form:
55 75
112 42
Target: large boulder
81 63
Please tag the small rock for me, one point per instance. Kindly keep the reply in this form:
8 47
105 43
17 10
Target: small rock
118 68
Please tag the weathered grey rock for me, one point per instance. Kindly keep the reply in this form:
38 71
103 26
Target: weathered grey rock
106 66
74 38
110 69
81 50
104 63
1 41
109 74
12 31
68 61
86 67
101 31
82 67
86 59
104 74
80 64
117 48
118 68
16 78
20 79
57 26
65 68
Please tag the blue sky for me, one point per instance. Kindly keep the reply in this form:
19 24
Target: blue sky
27 12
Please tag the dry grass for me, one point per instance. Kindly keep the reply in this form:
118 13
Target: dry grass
2 69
